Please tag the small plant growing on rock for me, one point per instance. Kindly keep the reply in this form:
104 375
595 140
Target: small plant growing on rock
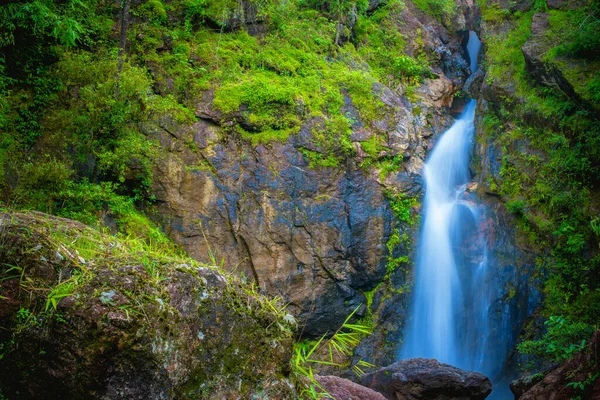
341 343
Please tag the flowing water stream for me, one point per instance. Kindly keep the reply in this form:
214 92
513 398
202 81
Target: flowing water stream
451 319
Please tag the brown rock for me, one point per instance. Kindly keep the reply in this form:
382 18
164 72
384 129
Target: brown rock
343 389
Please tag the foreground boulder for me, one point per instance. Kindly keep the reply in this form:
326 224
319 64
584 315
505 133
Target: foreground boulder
343 389
87 316
420 379
578 377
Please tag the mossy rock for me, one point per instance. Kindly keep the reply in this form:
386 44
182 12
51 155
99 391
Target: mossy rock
128 321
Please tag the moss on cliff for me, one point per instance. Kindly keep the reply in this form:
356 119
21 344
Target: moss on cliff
77 124
541 116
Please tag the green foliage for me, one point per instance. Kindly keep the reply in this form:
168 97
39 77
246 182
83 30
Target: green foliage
389 165
516 207
580 386
402 207
408 67
550 156
381 45
154 10
59 20
337 7
442 10
577 32
505 59
216 11
65 289
395 243
562 339
326 351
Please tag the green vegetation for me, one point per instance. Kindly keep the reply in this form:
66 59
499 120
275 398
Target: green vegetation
78 127
442 10
562 339
78 124
551 162
329 350
69 275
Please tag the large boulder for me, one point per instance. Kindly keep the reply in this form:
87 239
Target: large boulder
575 378
85 315
420 379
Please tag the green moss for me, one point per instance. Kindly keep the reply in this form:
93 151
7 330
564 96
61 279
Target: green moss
389 165
494 14
402 207
504 57
443 10
550 159
320 160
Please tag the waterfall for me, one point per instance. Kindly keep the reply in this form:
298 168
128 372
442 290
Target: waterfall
452 294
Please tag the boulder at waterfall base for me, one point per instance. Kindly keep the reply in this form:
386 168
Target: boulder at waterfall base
427 379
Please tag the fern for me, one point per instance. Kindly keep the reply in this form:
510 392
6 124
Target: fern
342 342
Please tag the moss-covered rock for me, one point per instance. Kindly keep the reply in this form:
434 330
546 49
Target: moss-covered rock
85 315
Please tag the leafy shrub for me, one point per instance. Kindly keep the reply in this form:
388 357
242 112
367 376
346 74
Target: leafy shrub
408 67
578 31
325 352
562 339
516 207
60 20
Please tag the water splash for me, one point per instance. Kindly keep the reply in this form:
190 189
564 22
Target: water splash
451 298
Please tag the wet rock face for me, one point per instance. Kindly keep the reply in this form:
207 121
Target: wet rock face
420 378
122 328
473 84
519 386
583 367
314 236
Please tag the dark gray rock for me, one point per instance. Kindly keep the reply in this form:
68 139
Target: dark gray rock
473 84
521 385
420 379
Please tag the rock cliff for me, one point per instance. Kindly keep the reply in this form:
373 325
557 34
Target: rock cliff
316 235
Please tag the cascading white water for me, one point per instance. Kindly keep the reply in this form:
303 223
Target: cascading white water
450 308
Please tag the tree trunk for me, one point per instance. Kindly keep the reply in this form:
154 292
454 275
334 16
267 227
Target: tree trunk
122 40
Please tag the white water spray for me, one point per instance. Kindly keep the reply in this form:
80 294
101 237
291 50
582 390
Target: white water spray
450 309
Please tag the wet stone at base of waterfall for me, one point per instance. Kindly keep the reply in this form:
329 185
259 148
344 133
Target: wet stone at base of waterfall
420 379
